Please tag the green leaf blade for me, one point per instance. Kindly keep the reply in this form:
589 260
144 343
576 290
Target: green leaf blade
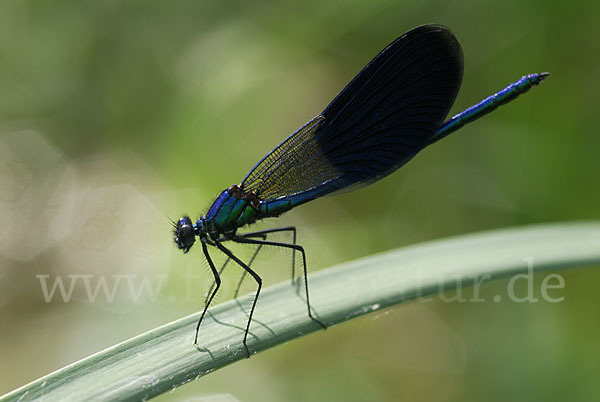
165 358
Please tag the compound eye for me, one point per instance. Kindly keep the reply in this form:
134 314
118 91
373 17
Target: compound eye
185 235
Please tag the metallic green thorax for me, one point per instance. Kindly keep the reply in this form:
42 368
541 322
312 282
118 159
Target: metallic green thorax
234 209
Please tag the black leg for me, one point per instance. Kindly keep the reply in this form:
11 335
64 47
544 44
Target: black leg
239 285
240 239
237 290
258 280
212 295
262 233
215 282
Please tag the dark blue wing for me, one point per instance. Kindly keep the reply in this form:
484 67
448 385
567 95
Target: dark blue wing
384 117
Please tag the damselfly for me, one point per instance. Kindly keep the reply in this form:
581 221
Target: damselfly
390 111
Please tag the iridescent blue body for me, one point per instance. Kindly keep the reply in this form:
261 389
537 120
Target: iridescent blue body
395 107
228 213
489 104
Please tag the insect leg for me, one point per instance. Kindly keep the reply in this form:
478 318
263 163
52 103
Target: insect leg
215 282
260 233
239 285
239 239
258 280
212 295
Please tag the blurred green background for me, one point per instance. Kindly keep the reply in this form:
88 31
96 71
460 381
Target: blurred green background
116 116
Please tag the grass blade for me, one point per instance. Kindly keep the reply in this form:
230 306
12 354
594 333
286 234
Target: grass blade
164 358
